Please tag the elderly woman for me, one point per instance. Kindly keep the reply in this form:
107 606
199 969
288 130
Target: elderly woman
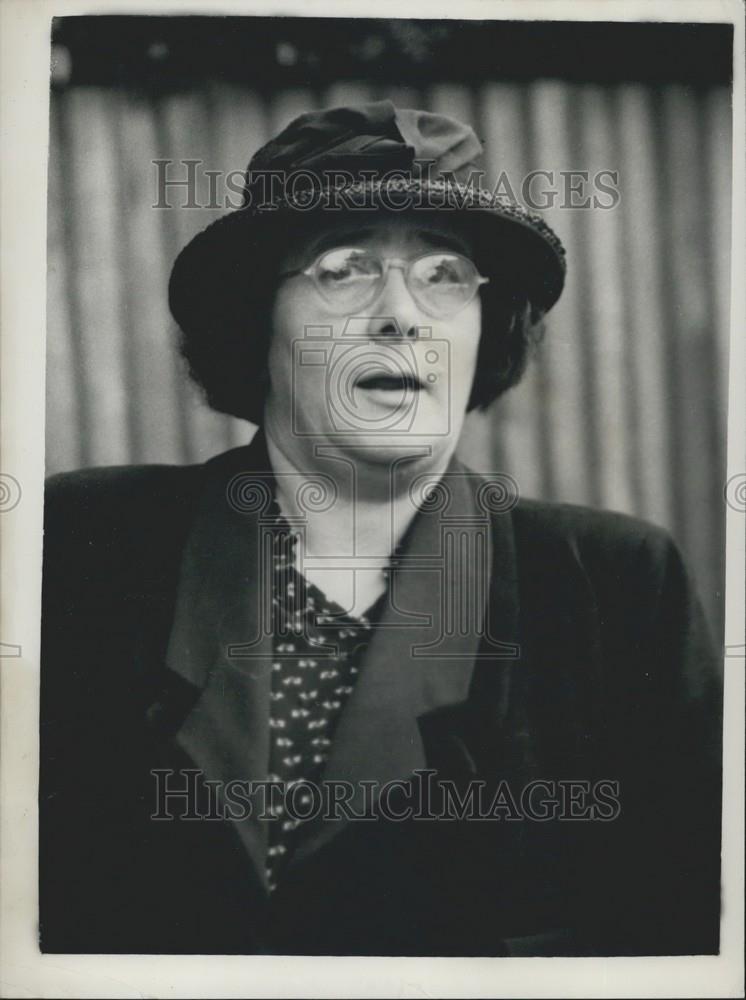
333 692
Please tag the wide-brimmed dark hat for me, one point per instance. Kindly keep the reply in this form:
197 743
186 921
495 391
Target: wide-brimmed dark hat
360 159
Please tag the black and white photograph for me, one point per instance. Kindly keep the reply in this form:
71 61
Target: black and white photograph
387 373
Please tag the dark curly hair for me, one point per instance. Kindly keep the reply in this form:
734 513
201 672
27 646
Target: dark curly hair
226 343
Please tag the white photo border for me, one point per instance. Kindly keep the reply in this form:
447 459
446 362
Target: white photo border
24 971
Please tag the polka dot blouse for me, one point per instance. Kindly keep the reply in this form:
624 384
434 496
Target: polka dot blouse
310 684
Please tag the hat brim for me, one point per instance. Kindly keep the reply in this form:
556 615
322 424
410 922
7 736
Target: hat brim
225 266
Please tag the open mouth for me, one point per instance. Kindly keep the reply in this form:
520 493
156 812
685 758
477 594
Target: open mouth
390 383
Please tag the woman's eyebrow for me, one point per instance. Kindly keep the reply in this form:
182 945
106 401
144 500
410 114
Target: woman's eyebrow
449 240
340 237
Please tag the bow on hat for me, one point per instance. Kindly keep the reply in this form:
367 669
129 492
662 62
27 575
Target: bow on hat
374 137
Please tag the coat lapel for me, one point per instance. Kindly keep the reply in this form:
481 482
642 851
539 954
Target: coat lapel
433 629
220 644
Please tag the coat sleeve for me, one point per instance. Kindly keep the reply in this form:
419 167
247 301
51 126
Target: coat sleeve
662 875
111 544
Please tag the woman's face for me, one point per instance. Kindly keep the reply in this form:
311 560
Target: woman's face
379 381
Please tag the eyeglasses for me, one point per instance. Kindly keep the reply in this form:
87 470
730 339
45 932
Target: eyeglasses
350 278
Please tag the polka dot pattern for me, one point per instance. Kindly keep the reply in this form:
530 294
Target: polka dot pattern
310 685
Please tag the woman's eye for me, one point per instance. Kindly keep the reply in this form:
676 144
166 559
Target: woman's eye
342 273
337 268
443 271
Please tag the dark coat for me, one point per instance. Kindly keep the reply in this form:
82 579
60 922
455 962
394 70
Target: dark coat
592 663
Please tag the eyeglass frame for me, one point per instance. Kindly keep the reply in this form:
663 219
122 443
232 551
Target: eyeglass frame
400 263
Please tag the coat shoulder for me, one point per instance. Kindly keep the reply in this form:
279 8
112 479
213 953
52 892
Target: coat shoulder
134 503
119 486
582 525
129 491
112 529
609 547
540 524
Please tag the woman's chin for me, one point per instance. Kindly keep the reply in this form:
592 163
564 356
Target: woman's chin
383 449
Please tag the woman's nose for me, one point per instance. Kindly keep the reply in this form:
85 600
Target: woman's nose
394 313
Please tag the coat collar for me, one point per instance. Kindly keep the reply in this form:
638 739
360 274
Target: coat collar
420 662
